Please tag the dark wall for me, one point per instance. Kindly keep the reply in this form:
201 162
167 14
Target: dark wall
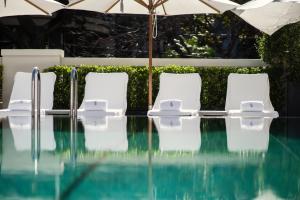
90 34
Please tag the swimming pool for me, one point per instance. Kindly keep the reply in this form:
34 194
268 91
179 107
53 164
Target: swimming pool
183 158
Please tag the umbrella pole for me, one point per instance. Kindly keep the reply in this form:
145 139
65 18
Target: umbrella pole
150 35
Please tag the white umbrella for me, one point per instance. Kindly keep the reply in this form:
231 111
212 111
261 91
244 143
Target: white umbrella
160 7
269 15
28 7
152 7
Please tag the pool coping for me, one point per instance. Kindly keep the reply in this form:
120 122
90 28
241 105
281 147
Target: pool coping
201 113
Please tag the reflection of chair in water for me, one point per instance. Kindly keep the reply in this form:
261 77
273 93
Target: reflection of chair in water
106 133
21 130
247 134
178 133
267 194
17 152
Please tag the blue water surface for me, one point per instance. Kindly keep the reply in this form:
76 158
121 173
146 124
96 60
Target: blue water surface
130 158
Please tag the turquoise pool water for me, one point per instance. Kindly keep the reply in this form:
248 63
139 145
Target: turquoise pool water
183 158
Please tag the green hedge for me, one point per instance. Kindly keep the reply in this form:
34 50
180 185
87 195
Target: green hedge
214 83
282 48
1 79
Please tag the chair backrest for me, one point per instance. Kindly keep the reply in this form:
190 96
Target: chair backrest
22 88
111 87
248 87
185 87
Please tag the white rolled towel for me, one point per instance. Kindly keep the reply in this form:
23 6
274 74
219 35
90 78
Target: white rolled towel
255 124
95 105
170 104
252 106
24 105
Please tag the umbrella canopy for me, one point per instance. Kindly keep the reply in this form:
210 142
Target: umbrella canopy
28 7
160 7
269 15
151 7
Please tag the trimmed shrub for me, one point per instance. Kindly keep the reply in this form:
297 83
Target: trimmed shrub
213 93
1 70
1 79
137 84
281 52
282 48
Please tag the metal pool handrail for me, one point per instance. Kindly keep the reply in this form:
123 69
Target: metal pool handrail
73 114
36 92
35 113
74 93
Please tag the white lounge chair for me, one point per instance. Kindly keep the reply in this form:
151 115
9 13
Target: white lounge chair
20 99
178 133
108 133
181 90
105 94
248 134
249 95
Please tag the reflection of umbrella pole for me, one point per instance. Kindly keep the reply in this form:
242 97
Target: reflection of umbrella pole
150 181
57 186
150 35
